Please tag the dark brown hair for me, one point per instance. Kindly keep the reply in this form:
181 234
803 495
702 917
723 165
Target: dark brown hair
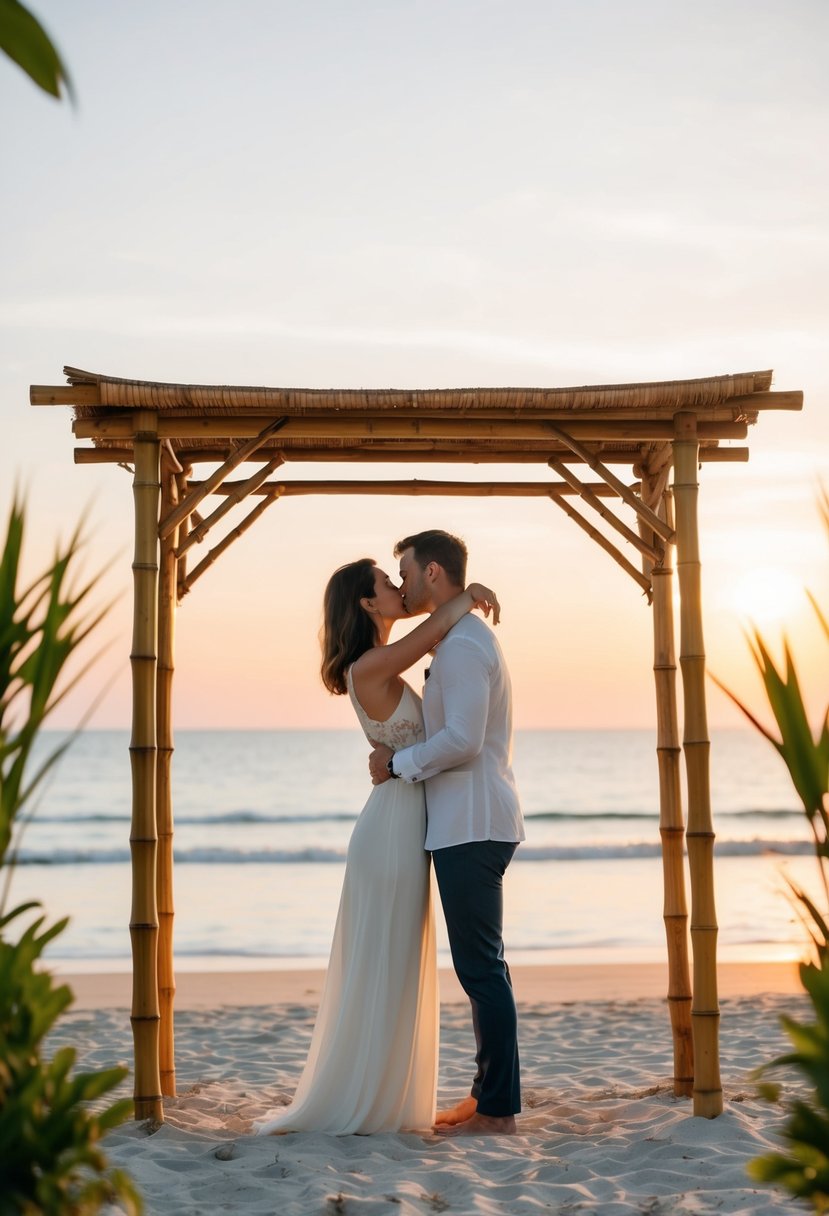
347 630
437 546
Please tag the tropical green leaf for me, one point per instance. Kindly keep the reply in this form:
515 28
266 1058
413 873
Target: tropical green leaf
26 42
805 759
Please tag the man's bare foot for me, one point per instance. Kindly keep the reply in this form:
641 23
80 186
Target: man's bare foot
483 1125
459 1113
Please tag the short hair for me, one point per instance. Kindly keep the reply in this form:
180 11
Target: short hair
437 546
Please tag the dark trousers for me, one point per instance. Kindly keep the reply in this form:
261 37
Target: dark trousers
470 880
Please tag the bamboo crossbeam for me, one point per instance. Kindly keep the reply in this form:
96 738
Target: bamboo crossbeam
671 820
90 395
189 504
645 513
145 1015
708 1097
474 489
723 455
651 551
306 428
605 544
64 394
214 455
240 491
228 540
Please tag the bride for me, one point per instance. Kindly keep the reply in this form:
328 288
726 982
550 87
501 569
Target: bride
372 1063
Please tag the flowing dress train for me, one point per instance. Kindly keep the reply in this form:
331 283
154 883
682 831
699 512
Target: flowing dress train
372 1063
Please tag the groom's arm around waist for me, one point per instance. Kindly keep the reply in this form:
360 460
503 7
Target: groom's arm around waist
465 688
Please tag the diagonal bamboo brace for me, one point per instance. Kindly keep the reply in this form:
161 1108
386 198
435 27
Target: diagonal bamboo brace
186 508
228 540
601 540
651 551
653 521
239 492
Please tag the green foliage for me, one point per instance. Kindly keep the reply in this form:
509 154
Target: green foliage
27 44
41 627
803 1168
51 1161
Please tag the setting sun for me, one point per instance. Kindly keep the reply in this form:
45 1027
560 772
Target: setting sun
766 595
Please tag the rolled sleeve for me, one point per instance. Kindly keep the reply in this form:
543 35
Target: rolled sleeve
465 687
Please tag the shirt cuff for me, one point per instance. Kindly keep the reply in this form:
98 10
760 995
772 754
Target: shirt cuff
404 765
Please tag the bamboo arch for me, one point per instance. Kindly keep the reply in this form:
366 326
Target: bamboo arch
162 431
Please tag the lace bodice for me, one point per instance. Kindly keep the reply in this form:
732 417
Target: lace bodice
402 729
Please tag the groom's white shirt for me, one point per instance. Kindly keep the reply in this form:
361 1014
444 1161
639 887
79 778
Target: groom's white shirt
465 759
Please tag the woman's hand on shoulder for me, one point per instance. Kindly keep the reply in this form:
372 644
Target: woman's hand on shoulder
485 599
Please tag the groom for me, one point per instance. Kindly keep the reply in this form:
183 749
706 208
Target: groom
474 821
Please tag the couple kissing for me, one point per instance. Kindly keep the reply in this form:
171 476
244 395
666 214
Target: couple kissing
443 795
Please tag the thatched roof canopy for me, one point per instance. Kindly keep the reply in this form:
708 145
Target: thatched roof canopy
617 423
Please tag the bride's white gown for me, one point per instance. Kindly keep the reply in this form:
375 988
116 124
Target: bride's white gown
372 1064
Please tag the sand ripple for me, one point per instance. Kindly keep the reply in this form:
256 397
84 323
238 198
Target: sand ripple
601 1131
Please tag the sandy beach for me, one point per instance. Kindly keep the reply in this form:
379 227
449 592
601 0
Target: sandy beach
600 1132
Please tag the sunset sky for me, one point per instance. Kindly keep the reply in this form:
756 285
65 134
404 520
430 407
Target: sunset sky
428 194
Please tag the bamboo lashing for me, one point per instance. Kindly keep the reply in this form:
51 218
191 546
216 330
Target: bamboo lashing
240 491
167 594
671 820
143 832
187 507
650 550
645 513
605 544
655 462
228 540
705 1014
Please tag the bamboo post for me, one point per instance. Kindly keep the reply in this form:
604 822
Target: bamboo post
671 822
705 1015
164 802
143 833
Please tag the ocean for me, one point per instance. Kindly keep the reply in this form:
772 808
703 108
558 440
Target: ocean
263 820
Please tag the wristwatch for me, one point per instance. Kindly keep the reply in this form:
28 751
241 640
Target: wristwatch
390 766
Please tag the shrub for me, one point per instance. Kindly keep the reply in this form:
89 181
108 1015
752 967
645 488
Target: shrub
51 1162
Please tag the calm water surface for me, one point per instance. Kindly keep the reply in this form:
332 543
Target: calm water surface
263 821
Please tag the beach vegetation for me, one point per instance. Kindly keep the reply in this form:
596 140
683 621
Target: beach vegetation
52 1120
24 40
802 1168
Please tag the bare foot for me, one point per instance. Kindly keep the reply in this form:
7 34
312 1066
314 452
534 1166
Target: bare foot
483 1125
459 1113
